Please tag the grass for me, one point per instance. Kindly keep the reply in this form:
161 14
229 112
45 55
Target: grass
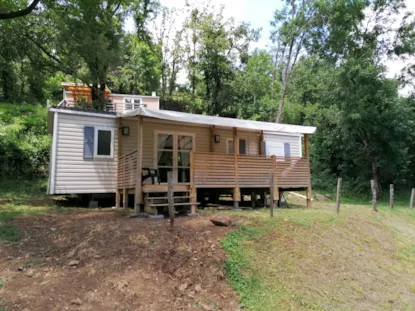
10 232
314 259
22 189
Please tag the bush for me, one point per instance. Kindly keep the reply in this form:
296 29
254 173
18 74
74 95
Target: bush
24 141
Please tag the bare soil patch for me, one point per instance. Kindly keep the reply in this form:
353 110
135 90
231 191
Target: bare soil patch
117 264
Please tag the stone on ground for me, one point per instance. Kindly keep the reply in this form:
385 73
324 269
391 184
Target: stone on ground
221 220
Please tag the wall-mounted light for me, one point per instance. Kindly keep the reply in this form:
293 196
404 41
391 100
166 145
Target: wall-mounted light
217 139
125 130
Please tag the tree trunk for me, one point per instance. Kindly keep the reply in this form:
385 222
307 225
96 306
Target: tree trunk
281 102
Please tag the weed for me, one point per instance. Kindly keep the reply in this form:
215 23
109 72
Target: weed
2 283
10 233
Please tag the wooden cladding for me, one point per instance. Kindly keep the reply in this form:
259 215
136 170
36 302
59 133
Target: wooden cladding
127 166
221 171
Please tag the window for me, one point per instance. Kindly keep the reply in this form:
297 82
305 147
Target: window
173 154
164 155
242 146
287 150
131 103
104 143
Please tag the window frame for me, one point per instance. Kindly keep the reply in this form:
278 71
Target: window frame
133 104
175 150
228 140
96 155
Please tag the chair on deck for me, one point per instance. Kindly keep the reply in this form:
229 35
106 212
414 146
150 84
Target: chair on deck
152 173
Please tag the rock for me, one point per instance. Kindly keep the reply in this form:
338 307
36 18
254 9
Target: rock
52 229
20 268
76 301
206 307
221 220
183 287
30 273
198 287
328 196
25 309
46 270
73 263
319 197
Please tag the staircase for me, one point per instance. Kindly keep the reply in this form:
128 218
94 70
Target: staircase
157 202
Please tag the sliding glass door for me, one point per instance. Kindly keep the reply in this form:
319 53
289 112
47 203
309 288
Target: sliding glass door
173 154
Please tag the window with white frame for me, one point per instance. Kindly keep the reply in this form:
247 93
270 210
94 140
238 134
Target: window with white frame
104 143
131 103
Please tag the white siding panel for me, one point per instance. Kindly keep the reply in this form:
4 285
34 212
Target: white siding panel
73 173
275 144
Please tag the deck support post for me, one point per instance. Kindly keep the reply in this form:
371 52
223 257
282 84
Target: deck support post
119 154
236 189
138 187
193 190
124 198
253 199
307 154
117 199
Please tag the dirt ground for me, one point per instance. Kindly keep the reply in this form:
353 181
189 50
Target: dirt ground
118 264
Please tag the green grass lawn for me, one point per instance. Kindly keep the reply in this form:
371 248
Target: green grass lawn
12 189
314 259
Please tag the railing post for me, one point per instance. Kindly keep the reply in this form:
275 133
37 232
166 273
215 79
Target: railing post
271 194
275 183
193 190
236 189
170 197
138 186
307 154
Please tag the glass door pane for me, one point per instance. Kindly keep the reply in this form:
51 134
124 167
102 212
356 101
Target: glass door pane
165 155
185 146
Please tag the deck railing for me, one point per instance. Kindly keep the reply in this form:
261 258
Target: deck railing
212 170
127 165
109 107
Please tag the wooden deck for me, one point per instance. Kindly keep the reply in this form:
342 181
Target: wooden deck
213 170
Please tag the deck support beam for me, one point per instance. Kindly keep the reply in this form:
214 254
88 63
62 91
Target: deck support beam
236 189
138 187
117 198
125 198
307 155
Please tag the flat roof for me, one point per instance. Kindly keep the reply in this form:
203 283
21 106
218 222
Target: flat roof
218 121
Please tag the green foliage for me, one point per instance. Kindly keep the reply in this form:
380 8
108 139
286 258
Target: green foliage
24 142
247 286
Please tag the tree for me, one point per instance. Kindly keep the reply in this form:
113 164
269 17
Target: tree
19 13
292 28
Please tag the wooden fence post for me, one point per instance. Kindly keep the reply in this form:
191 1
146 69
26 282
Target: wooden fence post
374 195
392 196
338 194
170 197
271 194
411 203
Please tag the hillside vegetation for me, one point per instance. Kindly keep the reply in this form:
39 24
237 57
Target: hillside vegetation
24 143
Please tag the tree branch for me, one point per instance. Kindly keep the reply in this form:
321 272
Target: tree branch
20 13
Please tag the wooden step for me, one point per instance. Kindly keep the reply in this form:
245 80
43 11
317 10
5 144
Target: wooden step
166 198
175 204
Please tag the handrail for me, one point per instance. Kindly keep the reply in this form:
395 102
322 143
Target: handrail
63 102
